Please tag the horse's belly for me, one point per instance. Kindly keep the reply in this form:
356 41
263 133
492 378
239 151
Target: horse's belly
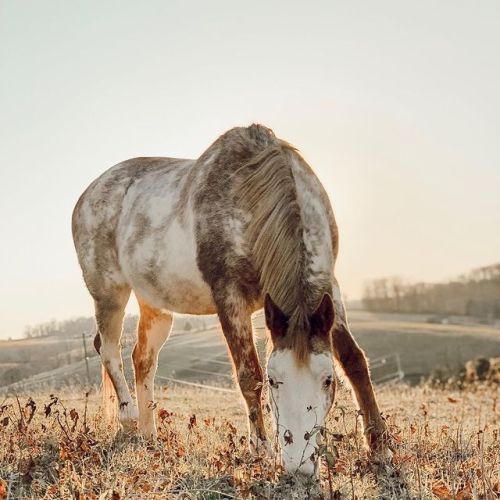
162 270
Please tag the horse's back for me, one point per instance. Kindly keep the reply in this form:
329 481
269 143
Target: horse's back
103 197
184 233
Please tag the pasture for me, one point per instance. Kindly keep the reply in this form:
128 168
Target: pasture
447 446
201 356
447 442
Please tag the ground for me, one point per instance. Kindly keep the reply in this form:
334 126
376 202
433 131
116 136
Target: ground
447 445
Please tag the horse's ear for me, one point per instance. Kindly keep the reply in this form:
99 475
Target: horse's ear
324 316
276 320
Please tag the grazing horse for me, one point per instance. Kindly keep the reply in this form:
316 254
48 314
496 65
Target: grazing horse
245 226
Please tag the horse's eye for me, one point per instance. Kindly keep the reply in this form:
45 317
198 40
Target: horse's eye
328 381
272 382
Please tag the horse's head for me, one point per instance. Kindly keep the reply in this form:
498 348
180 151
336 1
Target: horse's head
301 387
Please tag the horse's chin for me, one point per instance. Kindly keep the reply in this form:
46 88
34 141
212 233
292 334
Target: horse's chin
304 474
308 469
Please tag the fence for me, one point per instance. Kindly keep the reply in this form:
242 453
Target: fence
389 365
383 364
215 369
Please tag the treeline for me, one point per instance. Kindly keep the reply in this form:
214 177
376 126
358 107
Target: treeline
476 293
76 326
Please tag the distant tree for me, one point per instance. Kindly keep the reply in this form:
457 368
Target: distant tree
475 293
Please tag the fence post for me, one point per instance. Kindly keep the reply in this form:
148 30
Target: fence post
86 357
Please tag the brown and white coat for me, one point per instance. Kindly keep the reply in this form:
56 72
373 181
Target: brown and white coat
246 225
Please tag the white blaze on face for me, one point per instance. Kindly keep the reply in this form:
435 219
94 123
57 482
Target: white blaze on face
300 399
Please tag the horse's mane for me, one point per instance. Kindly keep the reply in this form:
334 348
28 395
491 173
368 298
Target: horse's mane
266 188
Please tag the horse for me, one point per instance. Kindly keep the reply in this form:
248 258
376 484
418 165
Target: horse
246 226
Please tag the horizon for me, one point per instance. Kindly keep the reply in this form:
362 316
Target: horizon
131 313
402 129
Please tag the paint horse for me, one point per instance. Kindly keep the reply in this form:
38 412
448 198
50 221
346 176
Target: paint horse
245 226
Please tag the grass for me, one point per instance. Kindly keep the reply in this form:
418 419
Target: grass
447 446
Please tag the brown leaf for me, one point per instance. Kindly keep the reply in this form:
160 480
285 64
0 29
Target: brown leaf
3 489
52 489
441 491
288 436
192 422
84 446
164 415
341 466
30 409
465 493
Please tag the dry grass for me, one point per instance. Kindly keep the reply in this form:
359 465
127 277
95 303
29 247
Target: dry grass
447 446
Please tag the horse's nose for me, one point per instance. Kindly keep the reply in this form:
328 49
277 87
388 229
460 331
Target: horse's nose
306 467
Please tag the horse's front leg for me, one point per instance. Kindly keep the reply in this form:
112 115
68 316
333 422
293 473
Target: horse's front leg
354 363
237 327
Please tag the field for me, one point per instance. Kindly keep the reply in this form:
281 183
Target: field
201 356
447 445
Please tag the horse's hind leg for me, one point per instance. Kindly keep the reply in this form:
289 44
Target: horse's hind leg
153 331
109 310
355 366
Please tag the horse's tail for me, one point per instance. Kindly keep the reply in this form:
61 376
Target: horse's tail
108 397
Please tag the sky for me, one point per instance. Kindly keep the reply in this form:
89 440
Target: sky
395 104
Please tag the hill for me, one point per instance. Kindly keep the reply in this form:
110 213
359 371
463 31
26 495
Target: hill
201 356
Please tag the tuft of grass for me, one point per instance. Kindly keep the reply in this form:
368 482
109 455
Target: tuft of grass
447 445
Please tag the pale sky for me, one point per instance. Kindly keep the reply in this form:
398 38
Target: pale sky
395 104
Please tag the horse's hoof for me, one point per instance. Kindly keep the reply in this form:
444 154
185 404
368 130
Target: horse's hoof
125 437
380 444
382 460
382 456
262 448
148 434
128 416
